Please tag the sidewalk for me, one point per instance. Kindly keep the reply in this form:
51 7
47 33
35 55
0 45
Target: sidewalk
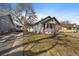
17 48
6 42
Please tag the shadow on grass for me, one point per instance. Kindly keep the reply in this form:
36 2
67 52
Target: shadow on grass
34 41
68 43
30 52
66 35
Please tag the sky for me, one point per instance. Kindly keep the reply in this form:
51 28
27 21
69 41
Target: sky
62 11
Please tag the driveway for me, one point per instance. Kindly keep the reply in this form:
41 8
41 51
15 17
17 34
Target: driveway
7 42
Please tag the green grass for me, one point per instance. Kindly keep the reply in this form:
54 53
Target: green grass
45 45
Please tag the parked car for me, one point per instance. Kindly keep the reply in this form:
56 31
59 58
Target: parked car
18 28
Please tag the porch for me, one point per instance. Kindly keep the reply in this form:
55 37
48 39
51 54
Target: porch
50 28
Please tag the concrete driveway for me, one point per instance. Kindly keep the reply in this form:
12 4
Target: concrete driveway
8 42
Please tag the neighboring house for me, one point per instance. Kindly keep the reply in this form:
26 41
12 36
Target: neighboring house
6 24
68 28
48 25
77 28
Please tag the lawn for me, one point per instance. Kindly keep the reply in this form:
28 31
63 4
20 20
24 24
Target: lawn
46 45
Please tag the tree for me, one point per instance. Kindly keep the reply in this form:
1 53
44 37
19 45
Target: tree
65 22
5 8
29 12
19 9
29 16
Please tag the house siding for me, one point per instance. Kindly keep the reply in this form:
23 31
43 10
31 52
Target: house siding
38 28
6 24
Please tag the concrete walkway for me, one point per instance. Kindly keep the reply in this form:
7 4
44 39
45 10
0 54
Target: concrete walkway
17 46
6 42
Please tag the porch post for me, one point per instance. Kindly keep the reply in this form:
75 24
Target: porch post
45 27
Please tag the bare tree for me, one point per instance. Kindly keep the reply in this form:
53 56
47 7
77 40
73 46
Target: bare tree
29 12
29 17
65 22
5 8
19 9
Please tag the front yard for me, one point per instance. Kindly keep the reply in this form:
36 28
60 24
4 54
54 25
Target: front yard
46 45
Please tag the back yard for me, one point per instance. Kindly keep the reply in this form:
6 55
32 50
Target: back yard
46 45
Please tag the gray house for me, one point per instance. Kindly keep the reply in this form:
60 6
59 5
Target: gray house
48 25
6 24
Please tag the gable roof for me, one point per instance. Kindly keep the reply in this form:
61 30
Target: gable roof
42 20
8 16
47 19
52 18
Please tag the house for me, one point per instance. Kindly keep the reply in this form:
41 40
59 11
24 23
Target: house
48 25
77 28
6 24
68 28
9 23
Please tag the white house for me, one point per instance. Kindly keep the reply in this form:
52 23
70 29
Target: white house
48 25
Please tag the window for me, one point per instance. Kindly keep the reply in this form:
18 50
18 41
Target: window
47 25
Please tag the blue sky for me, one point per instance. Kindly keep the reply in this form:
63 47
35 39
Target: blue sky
62 11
